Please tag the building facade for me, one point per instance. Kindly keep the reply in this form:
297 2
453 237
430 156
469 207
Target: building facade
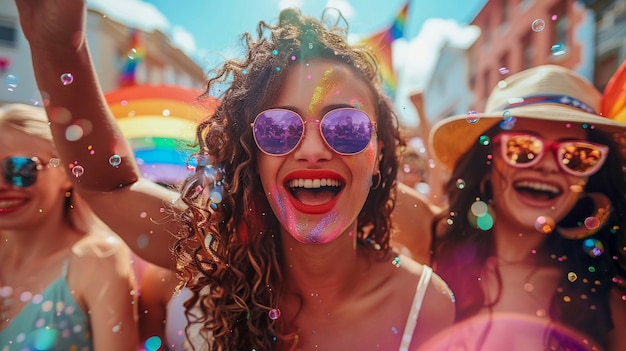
111 44
519 34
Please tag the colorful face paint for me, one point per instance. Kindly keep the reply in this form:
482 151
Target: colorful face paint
322 89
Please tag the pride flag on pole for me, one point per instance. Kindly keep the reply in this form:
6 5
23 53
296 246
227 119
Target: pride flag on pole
135 55
614 97
381 42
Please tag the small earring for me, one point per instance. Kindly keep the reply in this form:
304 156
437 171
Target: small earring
376 184
591 224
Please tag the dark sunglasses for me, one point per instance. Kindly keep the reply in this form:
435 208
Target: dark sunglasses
21 171
278 132
577 157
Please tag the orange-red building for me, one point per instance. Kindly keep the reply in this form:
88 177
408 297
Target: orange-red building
518 34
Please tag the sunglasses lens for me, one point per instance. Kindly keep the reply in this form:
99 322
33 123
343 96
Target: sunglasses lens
581 158
521 150
277 131
347 130
19 171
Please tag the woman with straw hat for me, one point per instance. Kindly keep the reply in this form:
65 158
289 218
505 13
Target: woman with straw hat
536 207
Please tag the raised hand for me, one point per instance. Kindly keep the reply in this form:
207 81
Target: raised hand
53 26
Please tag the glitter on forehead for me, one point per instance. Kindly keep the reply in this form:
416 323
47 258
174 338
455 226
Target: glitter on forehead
321 90
357 103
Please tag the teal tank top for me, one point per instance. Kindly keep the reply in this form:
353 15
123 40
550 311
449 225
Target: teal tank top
52 320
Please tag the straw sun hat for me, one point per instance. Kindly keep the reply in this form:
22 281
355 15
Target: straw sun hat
548 93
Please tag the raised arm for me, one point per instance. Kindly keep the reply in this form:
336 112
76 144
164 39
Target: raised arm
132 206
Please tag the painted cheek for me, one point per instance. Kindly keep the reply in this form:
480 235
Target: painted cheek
299 226
319 233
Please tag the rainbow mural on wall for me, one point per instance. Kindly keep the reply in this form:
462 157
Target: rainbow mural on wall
159 121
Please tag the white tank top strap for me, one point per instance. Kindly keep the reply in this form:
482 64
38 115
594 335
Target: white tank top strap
66 264
411 321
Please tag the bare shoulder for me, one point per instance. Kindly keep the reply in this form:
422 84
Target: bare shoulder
101 254
100 244
437 309
435 284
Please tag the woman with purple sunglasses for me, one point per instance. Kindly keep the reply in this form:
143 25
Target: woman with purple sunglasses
530 241
282 231
65 279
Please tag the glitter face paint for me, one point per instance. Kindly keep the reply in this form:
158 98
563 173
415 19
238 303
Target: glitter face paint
312 89
322 89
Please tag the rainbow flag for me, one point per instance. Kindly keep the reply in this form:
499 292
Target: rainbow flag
614 96
381 41
135 55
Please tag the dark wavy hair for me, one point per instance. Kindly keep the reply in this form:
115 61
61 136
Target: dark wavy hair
460 251
229 251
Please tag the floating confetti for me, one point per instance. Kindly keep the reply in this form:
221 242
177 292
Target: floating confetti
544 224
11 81
153 343
54 162
460 183
558 50
479 215
538 25
571 276
508 124
67 78
507 115
484 140
274 314
115 160
74 132
472 117
593 247
78 171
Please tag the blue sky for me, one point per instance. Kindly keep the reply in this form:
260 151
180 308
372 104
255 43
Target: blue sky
212 27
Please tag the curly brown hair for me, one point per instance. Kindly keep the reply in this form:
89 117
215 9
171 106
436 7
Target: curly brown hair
229 251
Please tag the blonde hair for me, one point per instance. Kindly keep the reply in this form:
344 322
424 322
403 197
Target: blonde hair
27 119
33 121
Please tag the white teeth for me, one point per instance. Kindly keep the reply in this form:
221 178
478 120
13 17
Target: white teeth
10 203
313 183
538 186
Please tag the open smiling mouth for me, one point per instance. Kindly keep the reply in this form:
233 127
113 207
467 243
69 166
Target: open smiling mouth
314 195
537 190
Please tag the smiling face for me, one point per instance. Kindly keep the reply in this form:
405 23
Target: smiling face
316 193
522 195
22 208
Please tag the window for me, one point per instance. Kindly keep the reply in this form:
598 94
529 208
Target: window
605 68
504 64
486 84
527 51
561 22
487 30
505 12
8 33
